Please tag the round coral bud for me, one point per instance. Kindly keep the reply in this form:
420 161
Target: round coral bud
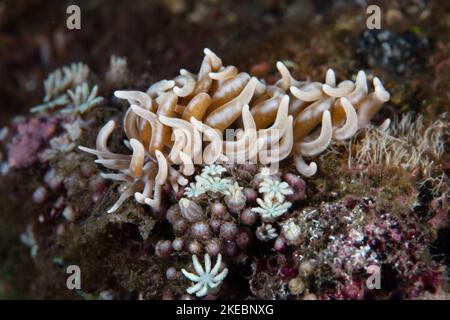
306 268
98 184
213 247
194 247
87 169
244 240
200 230
171 273
279 244
250 194
40 195
296 286
230 249
70 214
228 231
163 248
249 217
215 225
218 209
173 214
180 226
178 244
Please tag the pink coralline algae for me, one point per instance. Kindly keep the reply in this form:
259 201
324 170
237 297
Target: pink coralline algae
30 140
341 242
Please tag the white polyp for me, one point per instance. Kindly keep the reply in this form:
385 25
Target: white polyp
319 145
351 122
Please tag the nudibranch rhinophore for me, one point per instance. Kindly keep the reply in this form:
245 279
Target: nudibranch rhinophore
180 123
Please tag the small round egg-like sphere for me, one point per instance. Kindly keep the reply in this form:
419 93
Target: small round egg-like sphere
230 249
200 230
248 217
306 268
213 247
215 225
163 248
194 247
228 231
178 244
296 286
180 227
171 273
218 209
40 195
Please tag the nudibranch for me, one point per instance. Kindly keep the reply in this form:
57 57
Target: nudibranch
180 123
